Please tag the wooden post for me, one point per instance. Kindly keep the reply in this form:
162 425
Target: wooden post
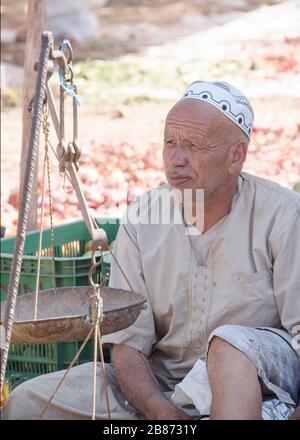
36 19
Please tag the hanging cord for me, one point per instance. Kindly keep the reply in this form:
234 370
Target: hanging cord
95 318
46 130
114 257
40 243
67 371
95 371
119 266
103 372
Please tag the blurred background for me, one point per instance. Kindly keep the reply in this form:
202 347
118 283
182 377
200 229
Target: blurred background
132 60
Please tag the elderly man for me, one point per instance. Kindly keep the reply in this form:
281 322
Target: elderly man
227 291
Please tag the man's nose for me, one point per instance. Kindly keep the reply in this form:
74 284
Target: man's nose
177 156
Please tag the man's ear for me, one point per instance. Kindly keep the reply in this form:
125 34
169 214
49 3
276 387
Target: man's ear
237 157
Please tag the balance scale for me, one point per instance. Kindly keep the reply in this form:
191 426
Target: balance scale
70 313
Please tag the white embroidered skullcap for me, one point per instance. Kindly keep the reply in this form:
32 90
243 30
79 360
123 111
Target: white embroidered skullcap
229 100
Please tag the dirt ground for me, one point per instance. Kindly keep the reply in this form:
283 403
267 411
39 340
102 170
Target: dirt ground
263 36
129 26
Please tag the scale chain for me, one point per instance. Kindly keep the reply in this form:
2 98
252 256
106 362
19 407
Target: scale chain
46 130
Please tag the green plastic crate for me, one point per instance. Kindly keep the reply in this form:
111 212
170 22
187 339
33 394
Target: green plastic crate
71 269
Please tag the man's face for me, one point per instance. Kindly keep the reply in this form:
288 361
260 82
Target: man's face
194 154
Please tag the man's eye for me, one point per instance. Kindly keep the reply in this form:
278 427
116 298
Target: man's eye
170 143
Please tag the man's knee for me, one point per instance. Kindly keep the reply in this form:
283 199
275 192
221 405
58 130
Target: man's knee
218 350
223 353
226 341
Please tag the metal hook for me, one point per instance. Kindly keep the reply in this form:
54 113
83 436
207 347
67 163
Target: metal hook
95 264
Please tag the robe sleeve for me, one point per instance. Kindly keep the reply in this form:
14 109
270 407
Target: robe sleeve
141 334
285 243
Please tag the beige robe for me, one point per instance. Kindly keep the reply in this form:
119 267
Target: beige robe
248 273
251 277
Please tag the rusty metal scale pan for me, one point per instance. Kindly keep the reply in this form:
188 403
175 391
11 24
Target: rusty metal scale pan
63 314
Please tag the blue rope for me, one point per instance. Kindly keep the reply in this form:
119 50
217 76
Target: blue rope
68 88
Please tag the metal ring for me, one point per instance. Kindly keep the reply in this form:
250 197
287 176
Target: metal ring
68 77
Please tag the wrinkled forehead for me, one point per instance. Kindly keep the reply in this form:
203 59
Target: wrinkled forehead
195 115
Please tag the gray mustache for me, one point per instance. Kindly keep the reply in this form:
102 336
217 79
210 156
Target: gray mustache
182 172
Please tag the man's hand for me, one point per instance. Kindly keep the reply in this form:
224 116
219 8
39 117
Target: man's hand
140 387
167 411
296 414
